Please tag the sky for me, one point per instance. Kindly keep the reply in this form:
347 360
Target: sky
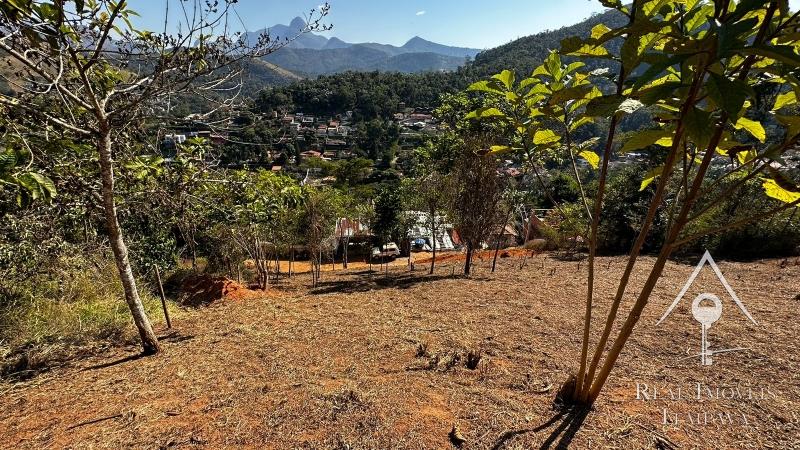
465 23
478 24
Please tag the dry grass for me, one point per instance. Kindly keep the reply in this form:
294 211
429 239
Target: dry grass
368 361
75 308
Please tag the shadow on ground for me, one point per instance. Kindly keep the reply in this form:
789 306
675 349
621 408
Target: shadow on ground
366 281
569 422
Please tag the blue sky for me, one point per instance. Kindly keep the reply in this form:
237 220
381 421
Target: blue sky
467 23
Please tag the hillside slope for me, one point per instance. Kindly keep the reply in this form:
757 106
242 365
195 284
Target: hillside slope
524 54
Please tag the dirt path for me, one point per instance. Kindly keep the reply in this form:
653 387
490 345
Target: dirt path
374 362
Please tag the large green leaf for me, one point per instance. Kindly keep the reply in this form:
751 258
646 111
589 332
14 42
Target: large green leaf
792 124
506 77
486 113
553 65
659 92
604 106
500 149
699 126
35 186
8 160
752 127
651 176
775 190
647 138
572 93
785 99
729 94
486 86
782 53
544 137
658 65
591 157
575 46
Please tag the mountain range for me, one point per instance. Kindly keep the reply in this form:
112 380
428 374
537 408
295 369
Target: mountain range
310 54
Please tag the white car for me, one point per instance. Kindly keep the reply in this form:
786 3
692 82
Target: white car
390 250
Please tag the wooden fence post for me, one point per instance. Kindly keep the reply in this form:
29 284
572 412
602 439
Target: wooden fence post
163 298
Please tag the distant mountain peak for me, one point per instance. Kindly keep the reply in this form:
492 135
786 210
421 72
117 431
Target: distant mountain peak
335 42
416 40
418 44
312 54
298 23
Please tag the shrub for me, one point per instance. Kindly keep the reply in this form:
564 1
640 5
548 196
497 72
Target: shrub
777 237
625 205
77 303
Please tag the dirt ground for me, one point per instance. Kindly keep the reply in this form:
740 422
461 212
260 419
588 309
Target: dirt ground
373 361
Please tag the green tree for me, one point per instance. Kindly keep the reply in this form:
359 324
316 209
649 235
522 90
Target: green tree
264 203
320 210
698 65
96 96
476 195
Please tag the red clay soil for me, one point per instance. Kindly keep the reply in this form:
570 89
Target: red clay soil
369 361
204 290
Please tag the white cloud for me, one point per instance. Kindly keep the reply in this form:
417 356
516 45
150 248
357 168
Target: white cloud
421 13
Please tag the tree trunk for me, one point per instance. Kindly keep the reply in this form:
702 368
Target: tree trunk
149 340
346 244
433 256
468 261
433 238
291 261
496 251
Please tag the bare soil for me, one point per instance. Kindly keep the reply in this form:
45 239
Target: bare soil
411 360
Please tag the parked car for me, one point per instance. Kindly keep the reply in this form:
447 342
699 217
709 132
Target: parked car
389 251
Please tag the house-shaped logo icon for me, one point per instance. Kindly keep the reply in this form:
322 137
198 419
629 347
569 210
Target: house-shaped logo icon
705 313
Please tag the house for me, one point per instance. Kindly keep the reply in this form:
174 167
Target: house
417 117
507 237
420 231
311 154
335 145
354 235
532 228
346 227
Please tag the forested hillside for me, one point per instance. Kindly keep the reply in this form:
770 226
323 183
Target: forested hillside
368 94
374 93
524 54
